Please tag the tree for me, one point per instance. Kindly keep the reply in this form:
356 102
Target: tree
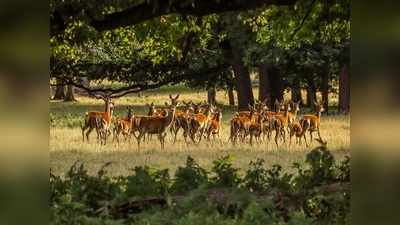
60 90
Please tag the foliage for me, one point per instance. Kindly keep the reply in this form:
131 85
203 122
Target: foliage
221 196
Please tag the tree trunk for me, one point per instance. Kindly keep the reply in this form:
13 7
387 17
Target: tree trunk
69 97
264 84
344 91
211 96
231 96
242 80
275 80
296 91
325 90
311 93
60 91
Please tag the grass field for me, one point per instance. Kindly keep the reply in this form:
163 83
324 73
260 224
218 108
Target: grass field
66 144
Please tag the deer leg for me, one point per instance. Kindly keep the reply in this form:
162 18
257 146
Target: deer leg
284 135
138 138
319 134
276 136
88 132
84 127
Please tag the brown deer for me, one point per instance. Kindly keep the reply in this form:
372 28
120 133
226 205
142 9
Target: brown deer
214 126
182 119
312 122
123 125
298 130
268 125
155 125
256 126
280 122
295 108
240 125
90 121
199 121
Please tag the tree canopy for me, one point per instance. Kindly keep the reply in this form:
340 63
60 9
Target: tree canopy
149 43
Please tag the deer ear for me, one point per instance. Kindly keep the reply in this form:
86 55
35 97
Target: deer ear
177 96
170 96
166 103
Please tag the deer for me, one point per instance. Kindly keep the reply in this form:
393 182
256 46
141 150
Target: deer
312 122
298 130
295 108
280 122
198 122
123 125
240 125
162 110
267 126
156 125
214 126
102 129
256 126
182 119
90 121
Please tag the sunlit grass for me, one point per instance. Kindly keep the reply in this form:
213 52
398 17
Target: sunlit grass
66 144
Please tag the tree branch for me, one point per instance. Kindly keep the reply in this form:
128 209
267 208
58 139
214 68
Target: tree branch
142 12
303 20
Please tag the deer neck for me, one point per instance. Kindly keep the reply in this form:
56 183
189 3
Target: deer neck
318 115
170 117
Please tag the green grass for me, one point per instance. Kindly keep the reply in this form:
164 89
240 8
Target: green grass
66 144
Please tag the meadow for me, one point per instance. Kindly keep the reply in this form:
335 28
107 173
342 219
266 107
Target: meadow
67 147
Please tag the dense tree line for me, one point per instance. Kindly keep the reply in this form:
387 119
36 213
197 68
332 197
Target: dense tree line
212 44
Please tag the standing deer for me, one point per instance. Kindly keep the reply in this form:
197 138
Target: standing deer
214 126
123 125
199 122
280 122
182 119
298 130
295 108
312 122
90 121
155 125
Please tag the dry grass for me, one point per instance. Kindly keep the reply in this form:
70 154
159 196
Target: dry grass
66 144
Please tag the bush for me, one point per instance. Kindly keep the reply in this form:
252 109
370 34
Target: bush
197 196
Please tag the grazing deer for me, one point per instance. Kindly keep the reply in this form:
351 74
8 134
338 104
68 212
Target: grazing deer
155 125
214 126
280 122
123 125
90 121
312 122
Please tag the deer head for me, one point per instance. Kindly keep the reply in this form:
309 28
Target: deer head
174 100
319 107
